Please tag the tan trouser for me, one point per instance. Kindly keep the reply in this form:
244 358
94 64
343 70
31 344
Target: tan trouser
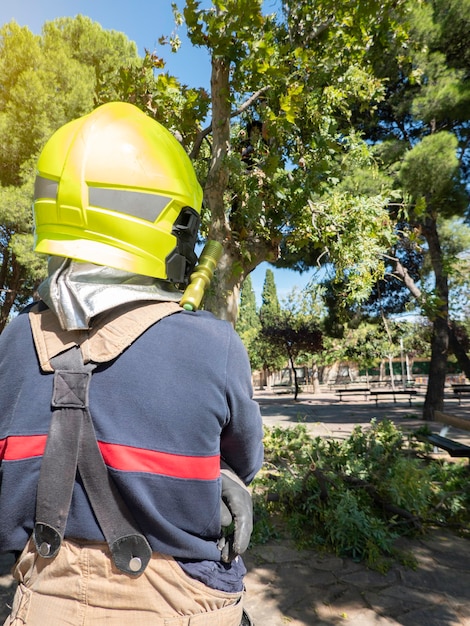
81 586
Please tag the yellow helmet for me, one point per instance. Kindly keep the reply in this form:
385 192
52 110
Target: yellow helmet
116 188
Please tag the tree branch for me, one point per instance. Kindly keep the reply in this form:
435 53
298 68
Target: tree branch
402 273
206 131
392 509
250 100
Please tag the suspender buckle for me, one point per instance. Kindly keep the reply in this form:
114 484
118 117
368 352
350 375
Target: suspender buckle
131 553
47 540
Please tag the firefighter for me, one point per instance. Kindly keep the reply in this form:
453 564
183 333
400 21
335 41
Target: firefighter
119 407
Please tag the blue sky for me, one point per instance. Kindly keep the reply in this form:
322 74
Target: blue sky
143 22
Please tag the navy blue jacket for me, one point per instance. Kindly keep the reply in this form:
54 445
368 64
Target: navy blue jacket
164 411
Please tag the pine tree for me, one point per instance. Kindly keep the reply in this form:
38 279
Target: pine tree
272 356
421 136
270 308
247 313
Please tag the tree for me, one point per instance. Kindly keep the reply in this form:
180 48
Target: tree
248 318
46 81
293 336
287 332
20 270
270 307
275 188
279 134
248 324
420 137
271 354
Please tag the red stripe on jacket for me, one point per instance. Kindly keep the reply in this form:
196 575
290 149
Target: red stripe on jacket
125 458
22 447
141 460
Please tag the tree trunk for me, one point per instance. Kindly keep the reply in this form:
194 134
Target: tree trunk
382 371
440 337
316 378
223 295
456 341
222 298
217 177
437 369
294 371
390 369
458 347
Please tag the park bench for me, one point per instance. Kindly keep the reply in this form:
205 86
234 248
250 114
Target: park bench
283 388
396 393
454 448
356 391
460 390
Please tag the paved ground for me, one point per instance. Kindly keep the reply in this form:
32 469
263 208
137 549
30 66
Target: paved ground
286 587
325 416
290 588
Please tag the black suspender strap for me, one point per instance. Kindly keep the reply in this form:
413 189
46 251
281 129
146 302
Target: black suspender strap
72 445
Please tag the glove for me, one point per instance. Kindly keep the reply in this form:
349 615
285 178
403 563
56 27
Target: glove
235 507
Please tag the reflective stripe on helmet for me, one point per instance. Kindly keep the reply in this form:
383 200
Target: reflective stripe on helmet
146 206
45 188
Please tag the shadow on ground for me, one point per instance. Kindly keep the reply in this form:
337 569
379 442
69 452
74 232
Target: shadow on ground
307 588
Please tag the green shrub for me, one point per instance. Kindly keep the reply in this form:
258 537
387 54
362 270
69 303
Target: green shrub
355 497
